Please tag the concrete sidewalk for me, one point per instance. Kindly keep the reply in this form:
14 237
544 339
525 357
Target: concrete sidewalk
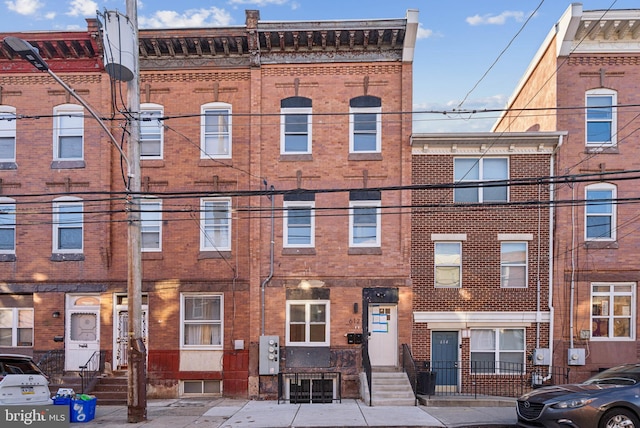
226 413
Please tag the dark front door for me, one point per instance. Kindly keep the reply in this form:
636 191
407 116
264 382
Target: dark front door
444 359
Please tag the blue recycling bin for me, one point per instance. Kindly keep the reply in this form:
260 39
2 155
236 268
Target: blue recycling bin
83 410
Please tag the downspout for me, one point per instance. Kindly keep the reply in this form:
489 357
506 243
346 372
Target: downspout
272 243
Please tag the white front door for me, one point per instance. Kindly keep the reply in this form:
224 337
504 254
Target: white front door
383 334
82 330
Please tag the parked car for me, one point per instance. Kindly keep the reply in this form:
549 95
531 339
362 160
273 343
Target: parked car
607 400
22 382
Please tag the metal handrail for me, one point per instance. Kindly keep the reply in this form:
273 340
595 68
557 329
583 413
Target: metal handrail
89 371
409 367
366 365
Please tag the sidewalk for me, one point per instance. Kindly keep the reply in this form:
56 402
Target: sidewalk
227 413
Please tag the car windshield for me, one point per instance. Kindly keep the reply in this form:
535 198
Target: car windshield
623 375
17 366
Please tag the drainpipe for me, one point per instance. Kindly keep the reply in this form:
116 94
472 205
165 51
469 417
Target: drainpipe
272 243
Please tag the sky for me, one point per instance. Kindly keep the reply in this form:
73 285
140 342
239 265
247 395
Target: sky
470 54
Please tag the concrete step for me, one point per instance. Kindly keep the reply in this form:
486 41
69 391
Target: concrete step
391 388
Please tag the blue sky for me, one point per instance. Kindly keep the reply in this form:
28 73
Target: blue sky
458 41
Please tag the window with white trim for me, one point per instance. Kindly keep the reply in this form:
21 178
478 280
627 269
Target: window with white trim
7 226
307 323
364 227
365 126
600 212
613 311
295 126
215 218
448 264
67 225
497 351
7 134
299 224
201 326
475 176
513 264
68 132
151 225
16 327
151 131
216 131
601 117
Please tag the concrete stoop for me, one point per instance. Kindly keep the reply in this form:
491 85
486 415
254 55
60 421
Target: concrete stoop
388 389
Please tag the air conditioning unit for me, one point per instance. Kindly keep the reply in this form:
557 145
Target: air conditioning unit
576 357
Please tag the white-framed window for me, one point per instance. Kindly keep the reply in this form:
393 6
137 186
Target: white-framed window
299 224
201 326
16 327
513 264
476 174
198 387
497 351
7 134
295 131
307 322
364 224
68 135
68 225
216 131
600 212
215 218
151 225
7 226
601 117
613 311
448 264
151 131
365 130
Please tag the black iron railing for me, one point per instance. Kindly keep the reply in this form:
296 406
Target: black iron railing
317 387
50 362
90 370
366 365
410 368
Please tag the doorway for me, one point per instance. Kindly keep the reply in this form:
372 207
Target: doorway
82 329
383 334
444 359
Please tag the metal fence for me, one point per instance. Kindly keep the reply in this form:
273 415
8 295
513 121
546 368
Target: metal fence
322 387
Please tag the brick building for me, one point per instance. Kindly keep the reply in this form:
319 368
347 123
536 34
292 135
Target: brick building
481 254
268 154
583 80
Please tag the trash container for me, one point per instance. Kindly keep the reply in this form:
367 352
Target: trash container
427 383
83 410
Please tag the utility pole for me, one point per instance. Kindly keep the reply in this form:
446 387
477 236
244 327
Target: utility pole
137 397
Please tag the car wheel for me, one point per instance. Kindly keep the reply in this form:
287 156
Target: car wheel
618 418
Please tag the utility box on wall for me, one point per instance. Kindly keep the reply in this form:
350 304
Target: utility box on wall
269 355
576 357
542 357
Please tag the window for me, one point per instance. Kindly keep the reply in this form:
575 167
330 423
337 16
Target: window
308 323
201 321
448 264
601 117
16 327
613 311
365 125
151 225
295 125
600 212
68 132
497 351
151 131
472 172
7 134
216 131
67 225
513 264
201 387
7 226
299 224
364 230
216 225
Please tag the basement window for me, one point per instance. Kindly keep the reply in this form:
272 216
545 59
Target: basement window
201 387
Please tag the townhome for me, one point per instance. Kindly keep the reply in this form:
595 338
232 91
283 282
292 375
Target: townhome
583 80
275 250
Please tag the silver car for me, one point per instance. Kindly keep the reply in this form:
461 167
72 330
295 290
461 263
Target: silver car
22 382
609 399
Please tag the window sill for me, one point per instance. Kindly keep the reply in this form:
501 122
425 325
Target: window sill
8 166
613 149
298 251
152 163
601 245
68 164
7 257
365 156
367 251
67 257
214 255
152 255
284 157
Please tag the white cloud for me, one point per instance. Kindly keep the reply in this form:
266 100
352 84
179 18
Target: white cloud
424 33
50 15
212 16
488 19
82 8
24 7
262 2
